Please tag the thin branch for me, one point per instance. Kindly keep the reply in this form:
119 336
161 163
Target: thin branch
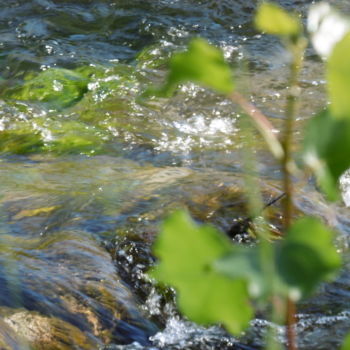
297 50
261 122
290 322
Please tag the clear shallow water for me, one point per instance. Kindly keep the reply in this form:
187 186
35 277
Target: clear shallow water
76 228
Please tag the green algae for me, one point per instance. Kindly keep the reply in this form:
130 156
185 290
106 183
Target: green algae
52 135
74 137
20 141
81 110
57 87
153 57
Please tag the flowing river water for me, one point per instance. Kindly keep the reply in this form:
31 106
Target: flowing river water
85 182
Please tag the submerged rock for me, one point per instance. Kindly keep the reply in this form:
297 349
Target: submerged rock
57 221
9 340
41 332
57 87
68 292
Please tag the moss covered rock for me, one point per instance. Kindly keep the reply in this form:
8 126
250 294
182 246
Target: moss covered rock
20 141
57 87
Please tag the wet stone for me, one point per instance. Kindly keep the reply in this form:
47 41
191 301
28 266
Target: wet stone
42 332
9 340
71 281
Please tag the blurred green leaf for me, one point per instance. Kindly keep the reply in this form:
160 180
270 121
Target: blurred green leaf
346 343
186 253
243 263
303 259
272 19
57 87
202 63
326 150
307 256
338 79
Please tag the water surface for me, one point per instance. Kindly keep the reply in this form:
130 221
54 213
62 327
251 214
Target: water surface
78 218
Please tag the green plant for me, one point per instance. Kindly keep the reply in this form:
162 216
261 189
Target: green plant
216 280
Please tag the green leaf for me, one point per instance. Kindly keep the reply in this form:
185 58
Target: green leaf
307 256
272 19
186 253
338 79
303 259
243 263
247 263
326 150
346 343
57 87
202 63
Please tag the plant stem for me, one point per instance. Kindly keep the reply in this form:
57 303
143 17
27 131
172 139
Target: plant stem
282 152
297 50
290 321
261 122
287 143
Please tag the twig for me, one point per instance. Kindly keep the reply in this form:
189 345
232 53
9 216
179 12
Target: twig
241 226
274 200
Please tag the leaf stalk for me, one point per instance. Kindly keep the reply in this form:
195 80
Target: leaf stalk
297 50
